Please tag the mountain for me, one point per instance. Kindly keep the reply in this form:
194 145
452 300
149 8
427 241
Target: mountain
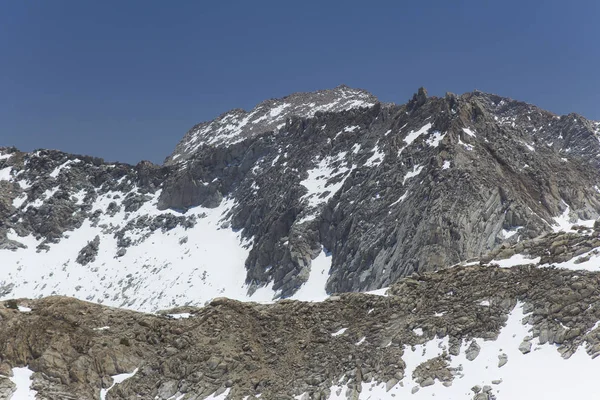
445 247
312 194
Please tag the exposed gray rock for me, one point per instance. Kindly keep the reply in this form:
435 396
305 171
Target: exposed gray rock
7 388
525 347
89 252
502 360
472 351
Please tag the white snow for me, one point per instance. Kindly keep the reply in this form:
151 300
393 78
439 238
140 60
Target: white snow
593 264
314 288
318 181
340 332
517 259
180 315
435 138
361 341
468 132
351 128
400 199
485 303
564 222
159 272
446 164
102 328
24 309
466 145
418 331
116 380
221 396
412 135
22 380
278 110
5 156
379 292
411 174
376 159
46 195
529 147
5 173
507 234
18 201
63 166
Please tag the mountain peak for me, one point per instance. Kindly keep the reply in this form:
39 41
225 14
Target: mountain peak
270 115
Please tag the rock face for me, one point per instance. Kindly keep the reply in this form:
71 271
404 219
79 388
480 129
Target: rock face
386 190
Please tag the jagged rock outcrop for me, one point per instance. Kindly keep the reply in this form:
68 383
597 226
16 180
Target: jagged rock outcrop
89 252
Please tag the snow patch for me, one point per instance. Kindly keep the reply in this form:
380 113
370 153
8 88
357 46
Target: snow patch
117 379
319 182
468 132
413 135
340 332
376 158
411 174
564 222
184 315
314 288
22 380
435 138
5 174
517 259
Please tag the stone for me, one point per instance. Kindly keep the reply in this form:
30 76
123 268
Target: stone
390 384
89 252
502 360
525 347
427 382
472 351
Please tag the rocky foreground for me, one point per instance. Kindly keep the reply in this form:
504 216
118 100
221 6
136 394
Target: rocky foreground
294 349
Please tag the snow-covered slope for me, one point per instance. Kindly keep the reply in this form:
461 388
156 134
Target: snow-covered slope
92 231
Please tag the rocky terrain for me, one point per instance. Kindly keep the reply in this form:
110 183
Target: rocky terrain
330 190
441 333
446 247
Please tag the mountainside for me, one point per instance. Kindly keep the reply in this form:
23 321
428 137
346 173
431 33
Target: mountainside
315 193
470 223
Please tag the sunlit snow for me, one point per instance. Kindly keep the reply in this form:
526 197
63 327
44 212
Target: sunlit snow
22 380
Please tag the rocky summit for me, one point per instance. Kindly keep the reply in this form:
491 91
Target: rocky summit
320 246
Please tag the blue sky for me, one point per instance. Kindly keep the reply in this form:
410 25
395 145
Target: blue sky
124 80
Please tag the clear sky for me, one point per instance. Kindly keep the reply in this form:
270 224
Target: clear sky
124 80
